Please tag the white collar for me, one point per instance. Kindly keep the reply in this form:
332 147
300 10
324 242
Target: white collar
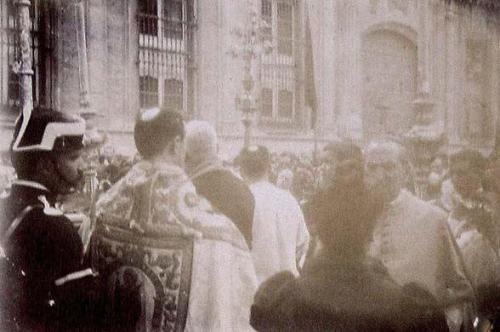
28 183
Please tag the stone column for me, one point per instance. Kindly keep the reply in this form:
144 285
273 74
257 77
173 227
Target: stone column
209 62
352 104
25 61
424 45
328 63
440 63
68 89
347 103
494 31
424 104
83 65
342 70
453 104
97 52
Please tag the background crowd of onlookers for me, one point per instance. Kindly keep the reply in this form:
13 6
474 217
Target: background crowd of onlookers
301 174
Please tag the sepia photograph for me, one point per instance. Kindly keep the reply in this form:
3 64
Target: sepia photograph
249 165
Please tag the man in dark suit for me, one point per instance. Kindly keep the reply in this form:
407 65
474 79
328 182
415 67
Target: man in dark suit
344 169
341 288
41 249
225 191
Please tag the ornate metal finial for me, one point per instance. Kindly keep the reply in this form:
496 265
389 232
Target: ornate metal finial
251 44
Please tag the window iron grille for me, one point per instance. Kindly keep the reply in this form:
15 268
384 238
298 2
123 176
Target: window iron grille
166 50
41 13
278 94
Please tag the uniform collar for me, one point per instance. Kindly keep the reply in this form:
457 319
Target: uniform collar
33 189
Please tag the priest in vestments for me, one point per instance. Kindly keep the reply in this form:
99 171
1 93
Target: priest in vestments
155 199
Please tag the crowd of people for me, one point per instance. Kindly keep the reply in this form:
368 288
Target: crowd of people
177 239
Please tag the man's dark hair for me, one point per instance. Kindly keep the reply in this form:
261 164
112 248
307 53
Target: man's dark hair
352 214
343 150
346 150
254 161
154 129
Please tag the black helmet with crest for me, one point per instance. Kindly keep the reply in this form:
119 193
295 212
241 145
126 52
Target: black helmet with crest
45 131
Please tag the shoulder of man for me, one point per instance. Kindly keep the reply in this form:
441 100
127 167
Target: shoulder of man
239 184
424 211
274 301
35 227
198 215
52 218
228 183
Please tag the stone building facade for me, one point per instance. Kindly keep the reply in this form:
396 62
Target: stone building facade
393 57
359 69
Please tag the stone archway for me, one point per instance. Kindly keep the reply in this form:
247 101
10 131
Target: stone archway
389 83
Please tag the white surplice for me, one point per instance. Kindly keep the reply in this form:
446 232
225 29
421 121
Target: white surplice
280 235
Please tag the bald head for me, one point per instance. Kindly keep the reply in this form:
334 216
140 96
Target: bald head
384 168
384 149
201 143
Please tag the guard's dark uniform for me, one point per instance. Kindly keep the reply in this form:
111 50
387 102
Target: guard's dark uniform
43 247
43 284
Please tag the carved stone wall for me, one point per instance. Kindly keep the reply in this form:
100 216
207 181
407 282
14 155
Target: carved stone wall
477 122
448 54
456 73
389 84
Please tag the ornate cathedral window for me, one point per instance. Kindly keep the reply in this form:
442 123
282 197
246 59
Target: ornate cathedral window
166 48
10 97
278 94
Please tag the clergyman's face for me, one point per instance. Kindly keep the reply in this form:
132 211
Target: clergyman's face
383 172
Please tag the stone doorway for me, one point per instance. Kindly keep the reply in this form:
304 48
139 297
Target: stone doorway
389 81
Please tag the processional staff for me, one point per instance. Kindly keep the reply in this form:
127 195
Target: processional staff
92 137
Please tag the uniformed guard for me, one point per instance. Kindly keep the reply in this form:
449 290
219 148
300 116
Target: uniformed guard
41 250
